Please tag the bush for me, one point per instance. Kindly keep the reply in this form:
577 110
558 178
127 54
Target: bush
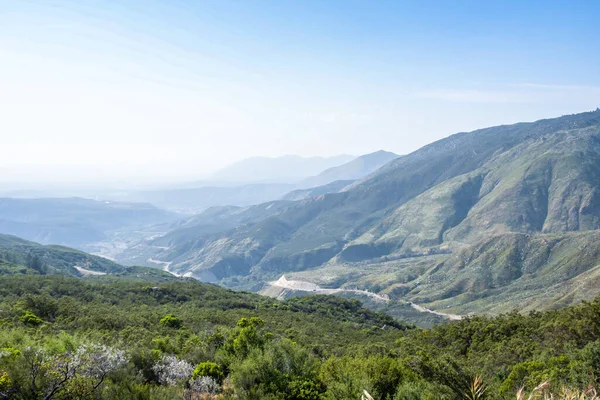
171 321
209 369
5 382
31 319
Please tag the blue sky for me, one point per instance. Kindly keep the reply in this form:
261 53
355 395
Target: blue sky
174 89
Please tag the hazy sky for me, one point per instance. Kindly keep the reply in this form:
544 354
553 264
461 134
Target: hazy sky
143 89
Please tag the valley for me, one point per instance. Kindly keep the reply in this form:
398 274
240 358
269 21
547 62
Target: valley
483 222
299 200
485 236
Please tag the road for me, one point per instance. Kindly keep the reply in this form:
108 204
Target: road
316 289
86 272
453 317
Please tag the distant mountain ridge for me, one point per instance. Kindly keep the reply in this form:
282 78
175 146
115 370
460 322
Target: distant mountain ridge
194 200
285 169
301 194
398 230
222 193
358 168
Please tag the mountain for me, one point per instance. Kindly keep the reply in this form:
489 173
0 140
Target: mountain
287 169
301 194
451 225
226 190
22 257
17 254
352 170
195 200
335 179
74 221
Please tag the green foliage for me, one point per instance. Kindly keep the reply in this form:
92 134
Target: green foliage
420 390
211 369
5 382
240 346
171 321
282 369
30 318
19 256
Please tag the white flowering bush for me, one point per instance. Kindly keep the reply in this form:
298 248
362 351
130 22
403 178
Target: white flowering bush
202 385
170 370
98 360
79 372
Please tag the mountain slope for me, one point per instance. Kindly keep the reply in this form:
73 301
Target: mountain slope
515 271
547 184
424 208
52 259
301 194
355 169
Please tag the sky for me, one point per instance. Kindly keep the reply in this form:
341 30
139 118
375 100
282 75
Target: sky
145 90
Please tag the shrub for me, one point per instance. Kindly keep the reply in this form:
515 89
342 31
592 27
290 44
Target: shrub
209 369
171 321
5 382
31 319
203 385
170 370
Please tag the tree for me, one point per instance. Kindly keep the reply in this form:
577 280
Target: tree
35 262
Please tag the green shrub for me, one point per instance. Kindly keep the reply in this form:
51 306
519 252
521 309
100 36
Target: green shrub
5 382
171 321
209 369
31 319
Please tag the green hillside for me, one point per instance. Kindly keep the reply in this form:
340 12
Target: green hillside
401 230
67 338
19 256
36 258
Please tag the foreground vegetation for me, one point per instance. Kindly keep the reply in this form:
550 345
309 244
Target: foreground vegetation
64 338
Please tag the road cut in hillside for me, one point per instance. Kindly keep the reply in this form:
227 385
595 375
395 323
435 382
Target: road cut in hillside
304 286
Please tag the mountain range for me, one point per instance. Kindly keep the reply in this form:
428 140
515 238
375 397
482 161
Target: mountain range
485 221
352 170
261 179
285 169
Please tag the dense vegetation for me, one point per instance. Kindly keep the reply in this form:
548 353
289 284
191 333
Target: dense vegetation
126 338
